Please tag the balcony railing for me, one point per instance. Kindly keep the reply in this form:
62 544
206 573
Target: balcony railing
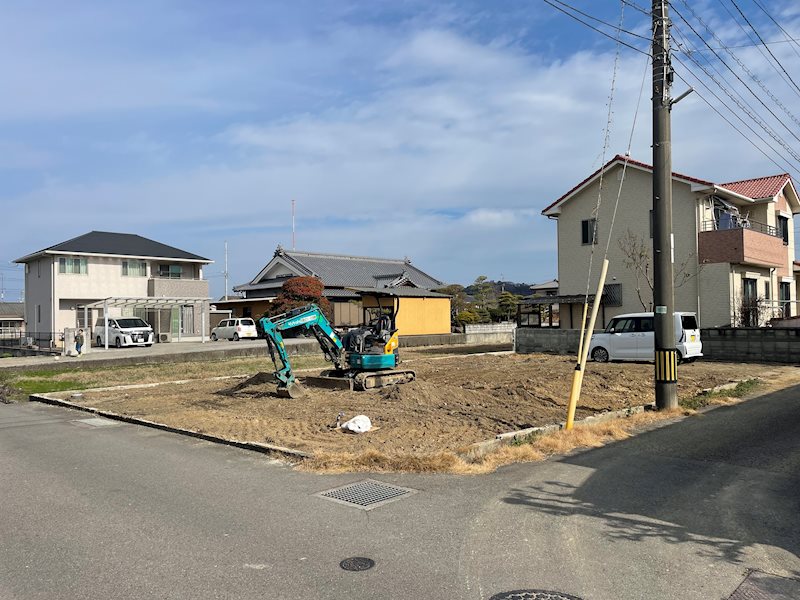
736 222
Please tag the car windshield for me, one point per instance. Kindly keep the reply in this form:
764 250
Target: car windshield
127 323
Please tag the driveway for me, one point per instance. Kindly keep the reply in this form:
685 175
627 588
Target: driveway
99 509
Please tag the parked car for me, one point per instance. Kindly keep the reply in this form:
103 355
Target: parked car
631 337
234 329
124 331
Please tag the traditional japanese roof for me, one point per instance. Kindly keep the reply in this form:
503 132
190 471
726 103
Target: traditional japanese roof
106 243
10 311
343 271
760 187
547 285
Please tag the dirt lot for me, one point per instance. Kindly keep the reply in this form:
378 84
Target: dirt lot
454 402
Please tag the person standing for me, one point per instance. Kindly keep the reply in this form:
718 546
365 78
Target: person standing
79 341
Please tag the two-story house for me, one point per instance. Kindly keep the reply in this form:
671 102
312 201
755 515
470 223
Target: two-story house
126 273
733 245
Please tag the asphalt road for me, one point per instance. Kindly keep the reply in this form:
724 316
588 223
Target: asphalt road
125 512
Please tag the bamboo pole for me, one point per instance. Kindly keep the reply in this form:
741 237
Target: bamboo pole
583 354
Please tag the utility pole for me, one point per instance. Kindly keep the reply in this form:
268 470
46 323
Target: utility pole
293 225
666 375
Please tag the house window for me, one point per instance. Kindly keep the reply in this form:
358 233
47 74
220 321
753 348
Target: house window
785 298
134 268
767 291
38 313
783 229
170 271
589 231
72 266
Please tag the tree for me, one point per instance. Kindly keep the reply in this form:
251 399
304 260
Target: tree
638 258
507 303
483 292
297 292
458 300
468 317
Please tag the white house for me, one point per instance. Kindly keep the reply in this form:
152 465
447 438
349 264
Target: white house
733 245
68 284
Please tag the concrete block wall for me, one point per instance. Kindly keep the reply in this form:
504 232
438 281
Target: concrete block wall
752 344
535 339
490 328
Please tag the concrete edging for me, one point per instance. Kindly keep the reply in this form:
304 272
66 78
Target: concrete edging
253 446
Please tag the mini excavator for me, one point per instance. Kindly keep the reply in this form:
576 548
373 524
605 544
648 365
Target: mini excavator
363 358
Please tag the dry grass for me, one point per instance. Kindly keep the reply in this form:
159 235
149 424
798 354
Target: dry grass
557 443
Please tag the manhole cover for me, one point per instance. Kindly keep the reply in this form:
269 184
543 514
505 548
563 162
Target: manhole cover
533 595
367 494
357 563
763 586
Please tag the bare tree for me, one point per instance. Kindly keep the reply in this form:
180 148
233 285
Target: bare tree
638 258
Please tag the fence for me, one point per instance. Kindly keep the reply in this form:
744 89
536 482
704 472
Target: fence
33 340
490 328
737 344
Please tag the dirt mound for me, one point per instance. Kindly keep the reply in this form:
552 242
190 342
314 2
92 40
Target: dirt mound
258 386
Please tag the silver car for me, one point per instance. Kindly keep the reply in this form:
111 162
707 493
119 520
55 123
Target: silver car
234 329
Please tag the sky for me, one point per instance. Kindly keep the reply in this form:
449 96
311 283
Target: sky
433 131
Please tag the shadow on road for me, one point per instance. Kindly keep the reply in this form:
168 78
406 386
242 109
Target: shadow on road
722 481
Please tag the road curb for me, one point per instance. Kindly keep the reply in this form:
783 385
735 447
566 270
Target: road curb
253 446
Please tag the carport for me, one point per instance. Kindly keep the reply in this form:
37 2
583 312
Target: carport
150 303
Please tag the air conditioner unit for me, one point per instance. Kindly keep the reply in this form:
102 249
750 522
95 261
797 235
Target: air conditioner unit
164 337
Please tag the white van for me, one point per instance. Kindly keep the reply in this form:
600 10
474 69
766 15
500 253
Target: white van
631 337
235 329
124 331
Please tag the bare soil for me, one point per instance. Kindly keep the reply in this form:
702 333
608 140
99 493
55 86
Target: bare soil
455 401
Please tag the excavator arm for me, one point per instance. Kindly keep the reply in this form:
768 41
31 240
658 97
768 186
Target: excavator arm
309 318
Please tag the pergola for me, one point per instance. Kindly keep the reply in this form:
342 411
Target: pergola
151 303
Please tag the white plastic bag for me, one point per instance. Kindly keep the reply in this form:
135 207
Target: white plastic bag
358 424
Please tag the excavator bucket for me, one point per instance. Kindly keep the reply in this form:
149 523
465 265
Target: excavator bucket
293 390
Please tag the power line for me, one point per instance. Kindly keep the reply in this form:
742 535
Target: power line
749 89
592 27
758 35
785 33
728 121
757 45
617 28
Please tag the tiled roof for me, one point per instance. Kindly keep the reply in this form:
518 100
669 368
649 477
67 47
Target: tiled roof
357 271
12 310
758 188
122 244
621 160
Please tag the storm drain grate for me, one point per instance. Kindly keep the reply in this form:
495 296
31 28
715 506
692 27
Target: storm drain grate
367 494
763 586
533 595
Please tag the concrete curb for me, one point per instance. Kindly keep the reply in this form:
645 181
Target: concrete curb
481 448
253 446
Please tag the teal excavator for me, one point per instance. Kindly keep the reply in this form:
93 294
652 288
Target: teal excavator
363 358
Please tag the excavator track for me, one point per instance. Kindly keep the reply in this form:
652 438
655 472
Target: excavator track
369 380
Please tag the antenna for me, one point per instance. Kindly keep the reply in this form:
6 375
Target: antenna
226 269
293 248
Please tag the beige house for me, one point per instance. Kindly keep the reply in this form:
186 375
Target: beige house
71 284
733 245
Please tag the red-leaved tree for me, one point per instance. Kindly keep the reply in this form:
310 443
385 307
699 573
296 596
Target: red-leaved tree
299 291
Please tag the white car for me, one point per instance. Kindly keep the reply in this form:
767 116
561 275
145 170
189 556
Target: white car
631 337
124 331
235 329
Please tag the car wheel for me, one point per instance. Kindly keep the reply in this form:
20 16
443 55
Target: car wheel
99 341
118 343
235 337
213 337
600 355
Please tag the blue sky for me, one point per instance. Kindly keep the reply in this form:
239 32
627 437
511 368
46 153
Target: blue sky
436 131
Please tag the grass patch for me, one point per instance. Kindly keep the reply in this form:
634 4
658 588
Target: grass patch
740 390
75 376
